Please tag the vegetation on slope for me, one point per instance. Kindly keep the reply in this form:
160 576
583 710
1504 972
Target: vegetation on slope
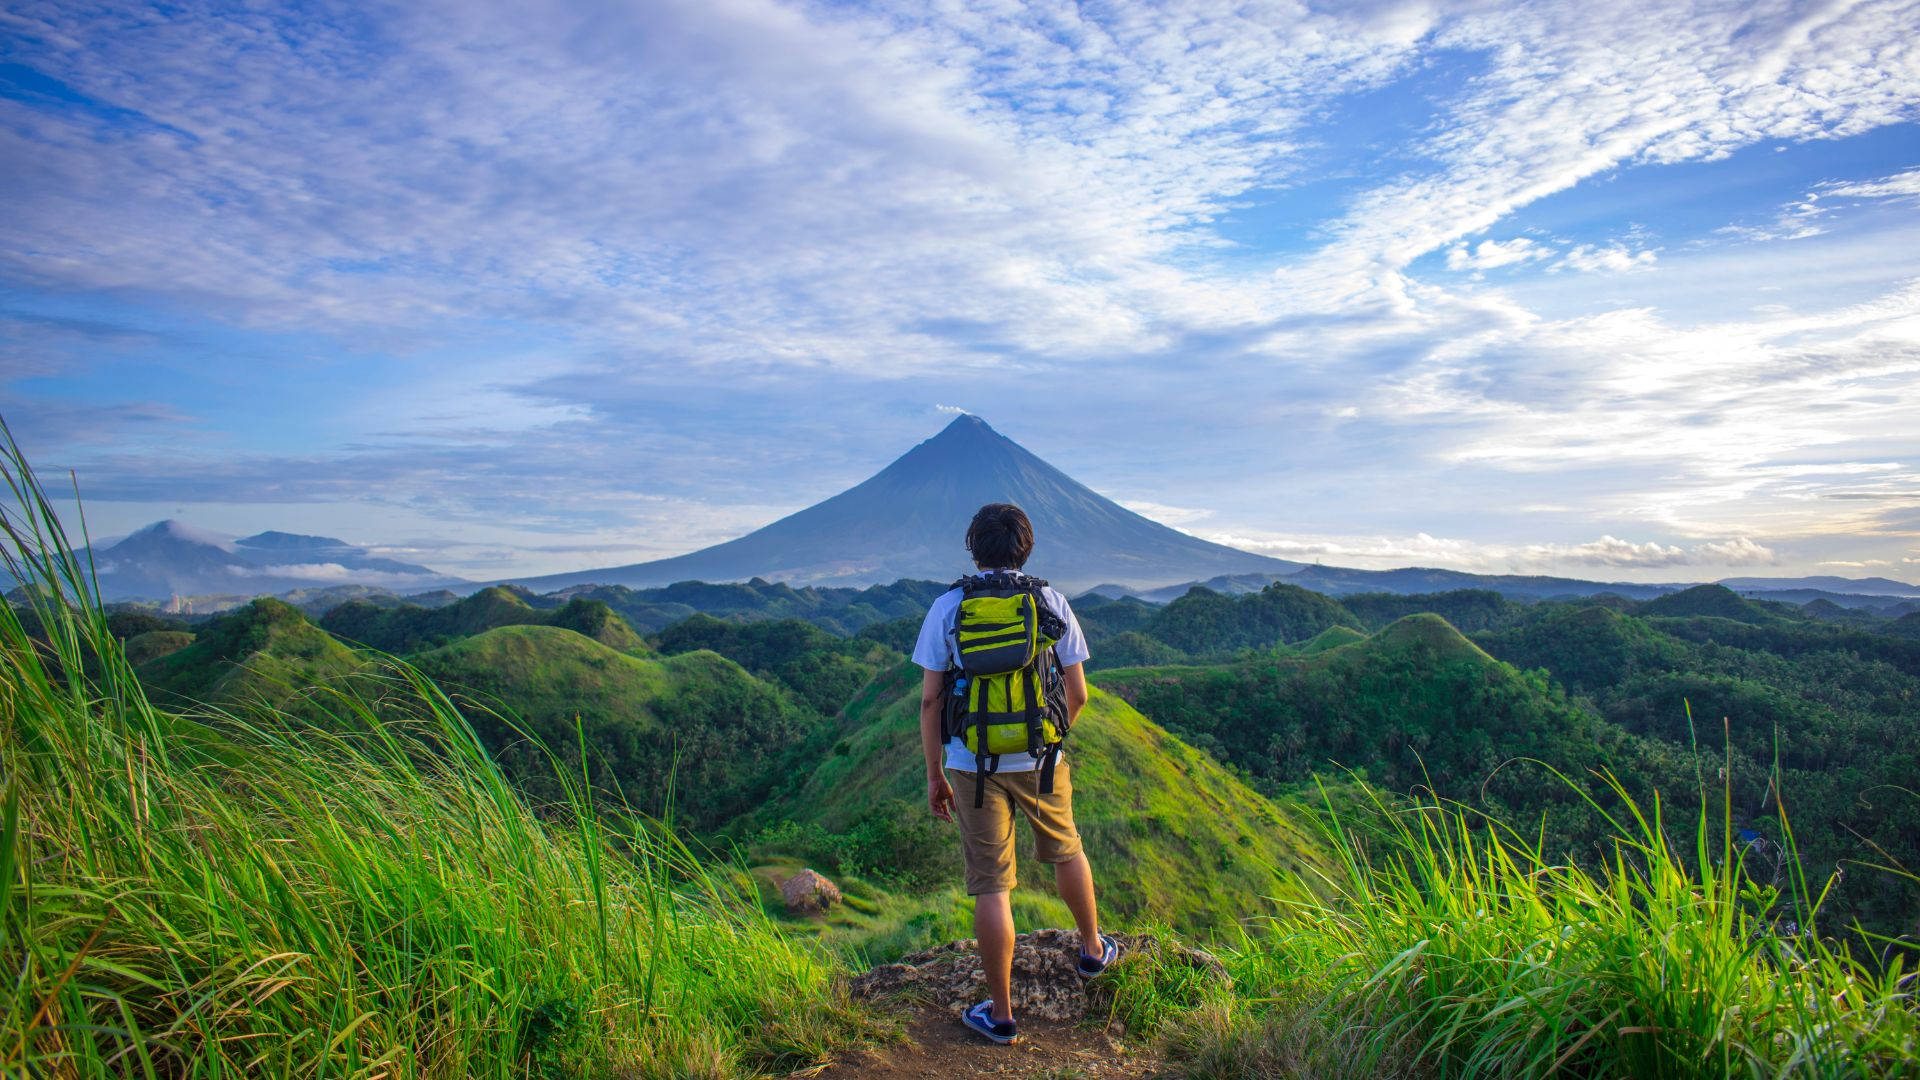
1415 705
265 653
1451 946
693 734
248 895
1209 624
1715 600
409 628
1828 714
842 611
1174 837
822 670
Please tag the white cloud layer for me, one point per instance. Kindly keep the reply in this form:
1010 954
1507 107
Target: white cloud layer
735 227
1421 549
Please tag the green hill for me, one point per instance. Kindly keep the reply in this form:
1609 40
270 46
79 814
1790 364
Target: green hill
1469 610
410 628
1715 600
1205 623
1906 626
266 652
1586 648
1415 705
837 610
642 719
822 669
1831 707
1174 837
154 644
1331 638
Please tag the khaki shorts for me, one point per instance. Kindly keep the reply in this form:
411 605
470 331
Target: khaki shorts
987 833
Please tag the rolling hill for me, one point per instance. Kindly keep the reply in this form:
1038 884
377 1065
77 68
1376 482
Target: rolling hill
1174 837
693 734
1414 705
266 653
411 627
908 520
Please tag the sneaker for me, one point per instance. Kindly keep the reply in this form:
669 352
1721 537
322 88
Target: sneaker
980 1018
1089 966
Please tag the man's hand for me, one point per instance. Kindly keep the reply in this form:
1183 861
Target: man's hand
940 797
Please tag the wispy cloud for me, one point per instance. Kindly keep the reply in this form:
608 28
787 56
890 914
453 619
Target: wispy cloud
1607 552
742 244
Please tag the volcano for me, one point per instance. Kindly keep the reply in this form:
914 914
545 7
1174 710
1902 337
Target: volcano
908 521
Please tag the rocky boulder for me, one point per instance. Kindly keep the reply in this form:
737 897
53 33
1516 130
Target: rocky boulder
808 893
1046 985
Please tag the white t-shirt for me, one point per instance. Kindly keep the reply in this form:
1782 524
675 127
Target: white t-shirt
939 648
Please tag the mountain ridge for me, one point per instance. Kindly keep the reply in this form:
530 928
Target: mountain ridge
171 558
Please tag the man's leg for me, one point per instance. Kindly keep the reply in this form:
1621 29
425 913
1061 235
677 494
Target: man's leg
1074 881
993 925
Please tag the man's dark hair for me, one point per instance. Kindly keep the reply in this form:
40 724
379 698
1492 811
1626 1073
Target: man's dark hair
1000 536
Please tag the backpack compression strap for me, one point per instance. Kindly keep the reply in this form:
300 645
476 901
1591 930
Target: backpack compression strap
1047 754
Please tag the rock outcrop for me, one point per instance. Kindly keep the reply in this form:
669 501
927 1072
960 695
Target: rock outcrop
1045 983
809 893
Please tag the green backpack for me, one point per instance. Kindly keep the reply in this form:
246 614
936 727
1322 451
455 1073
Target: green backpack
1008 693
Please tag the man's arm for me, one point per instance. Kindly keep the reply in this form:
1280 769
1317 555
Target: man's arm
1076 680
933 688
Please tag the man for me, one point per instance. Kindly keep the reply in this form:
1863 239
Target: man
1000 539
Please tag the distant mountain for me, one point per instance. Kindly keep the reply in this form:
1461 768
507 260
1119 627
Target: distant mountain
1873 586
170 558
907 521
1342 581
1863 602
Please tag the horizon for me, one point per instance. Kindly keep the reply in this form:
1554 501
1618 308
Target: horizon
188 531
1620 295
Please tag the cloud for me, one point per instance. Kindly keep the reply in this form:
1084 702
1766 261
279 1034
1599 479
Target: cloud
1739 551
1904 185
734 229
951 410
334 573
1613 258
1423 549
1810 214
1175 516
1488 254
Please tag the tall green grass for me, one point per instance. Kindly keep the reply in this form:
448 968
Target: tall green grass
235 894
1447 945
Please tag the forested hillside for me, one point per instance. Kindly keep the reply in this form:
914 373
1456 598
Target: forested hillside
1180 840
1281 685
532 899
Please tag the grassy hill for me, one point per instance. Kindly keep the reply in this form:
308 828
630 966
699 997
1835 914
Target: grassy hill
693 732
154 644
837 610
1174 837
822 669
1204 623
1414 705
197 899
266 652
1331 638
409 628
1715 600
1831 713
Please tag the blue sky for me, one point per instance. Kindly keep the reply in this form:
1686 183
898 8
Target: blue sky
1628 291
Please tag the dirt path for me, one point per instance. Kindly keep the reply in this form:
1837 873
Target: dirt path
939 1046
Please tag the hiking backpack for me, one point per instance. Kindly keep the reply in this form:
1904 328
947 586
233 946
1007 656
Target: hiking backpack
1008 693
